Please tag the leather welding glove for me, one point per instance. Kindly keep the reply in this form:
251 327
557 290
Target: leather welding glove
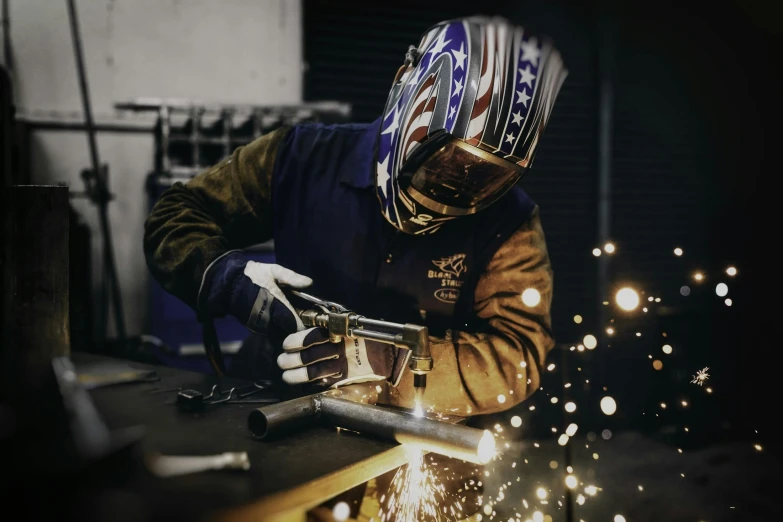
251 292
308 356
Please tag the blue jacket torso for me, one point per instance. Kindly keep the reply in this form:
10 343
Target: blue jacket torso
328 225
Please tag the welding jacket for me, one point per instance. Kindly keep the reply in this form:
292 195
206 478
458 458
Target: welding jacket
311 189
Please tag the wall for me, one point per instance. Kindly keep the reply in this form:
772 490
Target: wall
233 51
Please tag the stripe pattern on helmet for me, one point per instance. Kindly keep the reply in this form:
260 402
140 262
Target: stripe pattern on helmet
485 81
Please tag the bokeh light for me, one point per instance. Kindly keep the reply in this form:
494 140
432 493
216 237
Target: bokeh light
685 291
341 511
728 302
658 365
627 299
609 248
531 297
596 252
678 251
667 349
590 341
578 319
721 289
570 407
698 276
516 421
608 405
571 482
731 271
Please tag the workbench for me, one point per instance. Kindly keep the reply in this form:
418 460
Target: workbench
287 477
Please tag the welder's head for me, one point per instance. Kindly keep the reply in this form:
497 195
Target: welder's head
463 120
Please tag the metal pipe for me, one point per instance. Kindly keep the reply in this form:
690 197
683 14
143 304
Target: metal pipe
108 248
451 440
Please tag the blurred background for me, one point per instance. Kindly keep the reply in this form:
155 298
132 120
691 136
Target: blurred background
647 175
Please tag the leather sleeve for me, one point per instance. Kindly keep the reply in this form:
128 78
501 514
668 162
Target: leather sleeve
224 208
473 370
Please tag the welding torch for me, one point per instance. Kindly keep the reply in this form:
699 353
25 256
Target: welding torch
341 323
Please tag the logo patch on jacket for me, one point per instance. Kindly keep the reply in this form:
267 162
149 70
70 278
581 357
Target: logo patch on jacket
449 271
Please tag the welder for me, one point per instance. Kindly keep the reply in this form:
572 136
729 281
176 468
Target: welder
417 217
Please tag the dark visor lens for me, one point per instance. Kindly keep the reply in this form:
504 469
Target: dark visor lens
455 177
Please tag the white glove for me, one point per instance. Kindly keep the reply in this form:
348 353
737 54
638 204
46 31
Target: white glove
309 356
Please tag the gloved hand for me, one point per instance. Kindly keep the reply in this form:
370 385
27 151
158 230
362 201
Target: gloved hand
250 291
309 356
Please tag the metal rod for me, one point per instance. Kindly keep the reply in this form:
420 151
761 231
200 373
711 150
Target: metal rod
375 336
364 321
108 248
7 35
451 440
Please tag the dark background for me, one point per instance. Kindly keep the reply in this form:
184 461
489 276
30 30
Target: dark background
691 119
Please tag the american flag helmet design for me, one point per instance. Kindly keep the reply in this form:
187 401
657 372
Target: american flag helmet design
483 80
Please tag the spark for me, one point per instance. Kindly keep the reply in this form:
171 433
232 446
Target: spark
731 271
701 376
341 511
627 299
418 411
608 405
486 449
531 297
415 492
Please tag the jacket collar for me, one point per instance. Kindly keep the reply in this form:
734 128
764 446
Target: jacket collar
360 164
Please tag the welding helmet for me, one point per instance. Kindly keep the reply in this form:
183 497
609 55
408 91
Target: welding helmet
463 120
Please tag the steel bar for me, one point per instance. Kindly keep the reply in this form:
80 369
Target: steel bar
108 248
451 440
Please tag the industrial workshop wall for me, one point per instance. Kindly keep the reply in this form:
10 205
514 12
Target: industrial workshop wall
232 51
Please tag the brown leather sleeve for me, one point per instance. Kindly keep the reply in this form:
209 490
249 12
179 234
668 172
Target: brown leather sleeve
471 371
226 207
